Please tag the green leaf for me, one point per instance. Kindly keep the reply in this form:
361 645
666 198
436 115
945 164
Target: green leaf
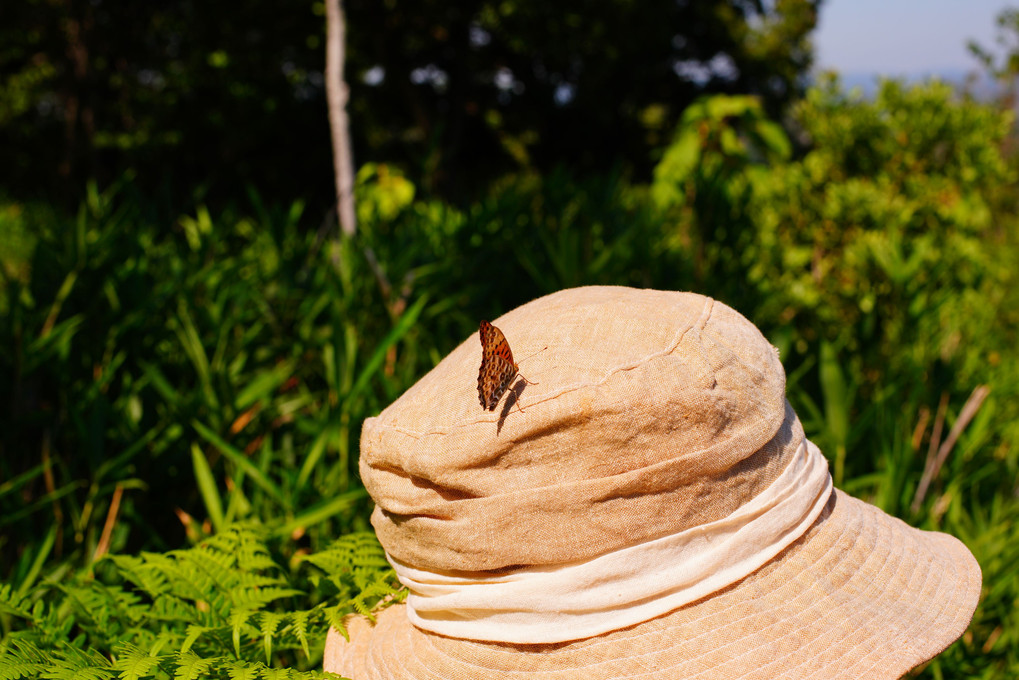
322 512
14 603
191 341
262 387
404 324
37 563
243 670
268 623
299 622
134 663
190 666
239 624
318 448
160 383
207 487
240 460
194 632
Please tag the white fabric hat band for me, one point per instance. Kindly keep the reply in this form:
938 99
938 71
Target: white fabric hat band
540 605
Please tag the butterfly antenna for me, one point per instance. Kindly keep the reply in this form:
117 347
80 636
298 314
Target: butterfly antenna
531 355
525 359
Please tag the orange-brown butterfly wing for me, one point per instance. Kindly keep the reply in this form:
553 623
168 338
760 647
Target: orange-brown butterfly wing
497 367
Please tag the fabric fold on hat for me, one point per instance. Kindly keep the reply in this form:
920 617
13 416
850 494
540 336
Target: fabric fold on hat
629 585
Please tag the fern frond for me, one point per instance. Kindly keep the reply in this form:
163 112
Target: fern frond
268 623
238 625
255 598
21 659
336 618
299 626
97 605
161 641
237 537
245 546
13 604
71 663
247 579
356 566
134 663
243 670
179 583
212 576
219 609
194 632
253 556
172 609
190 666
353 550
49 625
256 560
141 572
372 589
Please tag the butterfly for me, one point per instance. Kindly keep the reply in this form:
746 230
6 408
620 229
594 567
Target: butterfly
497 366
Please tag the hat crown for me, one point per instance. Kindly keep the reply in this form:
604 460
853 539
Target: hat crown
653 411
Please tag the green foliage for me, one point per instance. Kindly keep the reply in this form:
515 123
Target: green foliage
236 352
225 608
890 241
701 186
227 360
889 213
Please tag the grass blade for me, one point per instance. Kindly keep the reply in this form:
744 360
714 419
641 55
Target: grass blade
207 487
240 460
403 325
323 512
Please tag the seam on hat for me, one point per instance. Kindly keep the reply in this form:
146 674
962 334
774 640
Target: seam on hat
735 605
883 661
866 602
669 348
803 593
905 637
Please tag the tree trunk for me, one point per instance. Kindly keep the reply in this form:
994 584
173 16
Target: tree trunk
337 94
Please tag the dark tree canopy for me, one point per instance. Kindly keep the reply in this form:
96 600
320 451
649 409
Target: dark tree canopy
218 95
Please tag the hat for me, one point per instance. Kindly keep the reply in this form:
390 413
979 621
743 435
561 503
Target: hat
643 505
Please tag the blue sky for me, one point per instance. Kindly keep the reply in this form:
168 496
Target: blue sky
903 37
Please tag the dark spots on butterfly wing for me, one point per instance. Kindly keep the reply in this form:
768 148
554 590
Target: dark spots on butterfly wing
503 350
484 385
485 330
493 379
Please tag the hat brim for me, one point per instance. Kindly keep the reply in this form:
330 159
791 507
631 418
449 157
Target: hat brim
860 595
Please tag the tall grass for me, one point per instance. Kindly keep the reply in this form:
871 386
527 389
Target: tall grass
171 379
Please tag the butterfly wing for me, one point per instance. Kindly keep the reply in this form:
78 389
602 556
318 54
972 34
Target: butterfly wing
497 366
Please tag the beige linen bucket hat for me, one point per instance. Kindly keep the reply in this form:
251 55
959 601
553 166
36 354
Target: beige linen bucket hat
649 508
